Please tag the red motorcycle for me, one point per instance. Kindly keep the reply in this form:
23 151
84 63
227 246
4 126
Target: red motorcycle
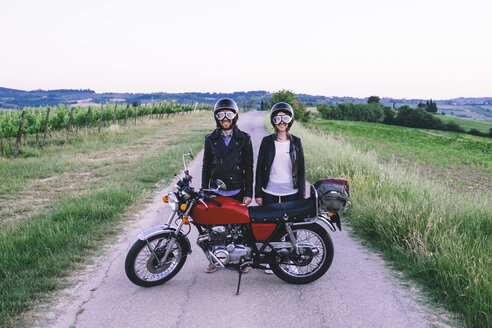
286 236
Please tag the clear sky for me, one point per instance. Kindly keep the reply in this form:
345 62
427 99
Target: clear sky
391 48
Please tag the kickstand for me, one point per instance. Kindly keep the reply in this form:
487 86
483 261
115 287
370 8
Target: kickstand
239 282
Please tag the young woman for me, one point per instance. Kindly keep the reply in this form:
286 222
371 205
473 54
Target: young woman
280 170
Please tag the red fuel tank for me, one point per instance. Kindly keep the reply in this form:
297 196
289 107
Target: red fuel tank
231 212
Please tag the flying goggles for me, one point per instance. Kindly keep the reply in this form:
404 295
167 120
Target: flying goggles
282 118
222 115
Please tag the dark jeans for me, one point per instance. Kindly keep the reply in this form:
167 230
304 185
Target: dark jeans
271 199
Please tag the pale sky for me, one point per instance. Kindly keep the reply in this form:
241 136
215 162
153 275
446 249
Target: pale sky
435 49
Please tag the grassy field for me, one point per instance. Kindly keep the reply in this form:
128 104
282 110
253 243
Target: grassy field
482 126
59 205
440 237
458 160
477 112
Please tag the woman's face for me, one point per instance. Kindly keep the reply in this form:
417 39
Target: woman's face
281 127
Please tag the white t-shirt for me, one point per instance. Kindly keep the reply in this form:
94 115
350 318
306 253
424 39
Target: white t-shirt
281 182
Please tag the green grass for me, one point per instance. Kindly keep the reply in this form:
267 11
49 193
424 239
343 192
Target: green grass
459 160
466 124
431 233
466 110
36 250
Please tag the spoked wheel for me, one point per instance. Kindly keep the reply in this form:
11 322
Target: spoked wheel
144 265
316 255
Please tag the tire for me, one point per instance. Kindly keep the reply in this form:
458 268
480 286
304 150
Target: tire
141 265
313 268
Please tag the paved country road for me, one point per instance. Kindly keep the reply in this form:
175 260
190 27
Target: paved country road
357 291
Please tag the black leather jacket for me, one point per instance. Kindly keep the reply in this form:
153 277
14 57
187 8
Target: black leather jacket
232 164
265 160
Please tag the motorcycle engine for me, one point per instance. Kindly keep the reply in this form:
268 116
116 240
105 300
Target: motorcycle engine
225 243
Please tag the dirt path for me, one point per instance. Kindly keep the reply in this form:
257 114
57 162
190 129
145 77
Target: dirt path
357 291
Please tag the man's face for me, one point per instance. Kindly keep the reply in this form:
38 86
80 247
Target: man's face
226 123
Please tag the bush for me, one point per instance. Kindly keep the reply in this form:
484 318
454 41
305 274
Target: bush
373 112
451 126
373 99
389 115
307 116
329 112
475 132
416 118
288 97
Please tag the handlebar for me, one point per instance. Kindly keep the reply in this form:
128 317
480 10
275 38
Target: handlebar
184 186
211 200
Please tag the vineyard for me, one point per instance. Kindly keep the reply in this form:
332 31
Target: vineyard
34 126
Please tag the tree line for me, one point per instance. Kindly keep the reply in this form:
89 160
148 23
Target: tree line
418 117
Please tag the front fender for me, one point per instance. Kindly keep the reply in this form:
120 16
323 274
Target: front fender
151 232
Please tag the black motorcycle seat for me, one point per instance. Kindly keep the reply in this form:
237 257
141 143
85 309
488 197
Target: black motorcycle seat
287 211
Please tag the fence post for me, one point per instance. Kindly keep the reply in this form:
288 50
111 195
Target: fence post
126 114
1 137
135 104
69 124
46 125
114 113
19 134
151 111
87 119
100 118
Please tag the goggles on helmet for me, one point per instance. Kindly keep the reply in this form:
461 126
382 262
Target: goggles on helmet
222 115
282 118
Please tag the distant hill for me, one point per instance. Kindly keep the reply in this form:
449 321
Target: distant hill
477 108
12 98
17 99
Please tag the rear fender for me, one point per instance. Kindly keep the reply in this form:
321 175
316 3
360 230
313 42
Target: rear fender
320 219
151 232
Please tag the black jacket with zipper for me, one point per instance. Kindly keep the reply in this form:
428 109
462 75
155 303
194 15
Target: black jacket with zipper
265 161
232 164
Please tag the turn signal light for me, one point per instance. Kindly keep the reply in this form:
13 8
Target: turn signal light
331 214
186 220
183 207
165 199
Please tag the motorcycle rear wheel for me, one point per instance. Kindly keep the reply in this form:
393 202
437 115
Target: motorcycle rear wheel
142 267
316 265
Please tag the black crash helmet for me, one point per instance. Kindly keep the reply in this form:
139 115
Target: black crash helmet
229 104
282 107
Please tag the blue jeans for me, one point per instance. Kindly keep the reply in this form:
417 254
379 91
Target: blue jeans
271 199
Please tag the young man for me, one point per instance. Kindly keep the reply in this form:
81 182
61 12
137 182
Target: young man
228 156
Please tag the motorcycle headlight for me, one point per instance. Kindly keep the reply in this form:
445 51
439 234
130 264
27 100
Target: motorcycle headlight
173 201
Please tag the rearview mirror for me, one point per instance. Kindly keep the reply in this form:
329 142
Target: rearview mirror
189 154
221 184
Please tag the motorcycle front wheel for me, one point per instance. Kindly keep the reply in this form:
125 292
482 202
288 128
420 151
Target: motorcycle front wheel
142 262
313 262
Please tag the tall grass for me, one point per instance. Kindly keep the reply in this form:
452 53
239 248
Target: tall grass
440 237
459 160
